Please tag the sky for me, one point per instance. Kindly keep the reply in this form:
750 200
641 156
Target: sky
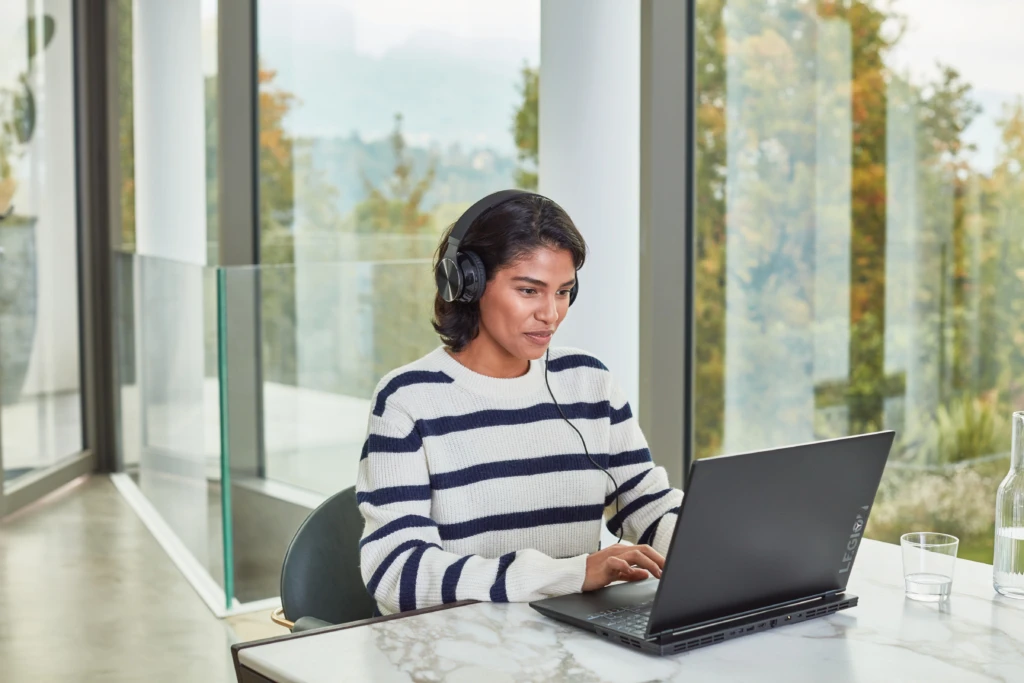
508 28
982 39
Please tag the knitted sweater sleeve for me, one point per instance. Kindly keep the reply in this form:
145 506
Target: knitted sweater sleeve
401 556
648 506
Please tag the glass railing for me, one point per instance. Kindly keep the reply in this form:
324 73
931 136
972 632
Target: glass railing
244 395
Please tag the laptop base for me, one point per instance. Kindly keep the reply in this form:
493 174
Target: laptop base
687 639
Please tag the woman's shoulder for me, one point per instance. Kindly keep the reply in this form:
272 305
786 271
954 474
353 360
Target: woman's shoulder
427 370
582 368
588 372
564 358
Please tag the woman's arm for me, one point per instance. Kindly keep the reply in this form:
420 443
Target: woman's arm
648 506
402 562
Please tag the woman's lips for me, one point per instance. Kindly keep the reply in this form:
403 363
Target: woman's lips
539 337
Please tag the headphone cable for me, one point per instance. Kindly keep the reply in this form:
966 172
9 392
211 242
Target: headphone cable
615 485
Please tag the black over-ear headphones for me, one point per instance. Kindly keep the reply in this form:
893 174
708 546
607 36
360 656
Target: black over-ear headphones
460 275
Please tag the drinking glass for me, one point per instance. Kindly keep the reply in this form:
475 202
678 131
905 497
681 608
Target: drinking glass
928 560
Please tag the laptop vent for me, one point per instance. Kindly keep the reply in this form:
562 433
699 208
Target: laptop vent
698 642
708 640
629 641
821 611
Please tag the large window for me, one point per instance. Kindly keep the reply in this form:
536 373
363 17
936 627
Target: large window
380 122
860 241
40 391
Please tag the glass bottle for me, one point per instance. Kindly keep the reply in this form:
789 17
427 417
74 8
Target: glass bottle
1008 559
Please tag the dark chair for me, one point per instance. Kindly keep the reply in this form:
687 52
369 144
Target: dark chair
320 580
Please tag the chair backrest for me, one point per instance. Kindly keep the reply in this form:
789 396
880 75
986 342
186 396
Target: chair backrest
320 575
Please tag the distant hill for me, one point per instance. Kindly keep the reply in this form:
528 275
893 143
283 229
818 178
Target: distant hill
462 175
445 96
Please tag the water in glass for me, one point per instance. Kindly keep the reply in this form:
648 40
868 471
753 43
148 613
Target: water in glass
928 587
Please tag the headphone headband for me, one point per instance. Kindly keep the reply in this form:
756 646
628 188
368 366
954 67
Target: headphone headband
475 211
461 276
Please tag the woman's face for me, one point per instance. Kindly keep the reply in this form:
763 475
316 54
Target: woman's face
525 302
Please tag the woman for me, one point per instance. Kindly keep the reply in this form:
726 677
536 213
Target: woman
472 484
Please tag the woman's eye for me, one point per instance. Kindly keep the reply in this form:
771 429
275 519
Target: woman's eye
527 290
564 292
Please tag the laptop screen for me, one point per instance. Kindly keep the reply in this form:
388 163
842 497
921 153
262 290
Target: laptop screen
767 528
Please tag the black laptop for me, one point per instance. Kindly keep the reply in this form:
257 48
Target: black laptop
763 540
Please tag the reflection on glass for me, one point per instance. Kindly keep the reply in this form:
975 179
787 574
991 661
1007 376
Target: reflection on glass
351 323
859 223
39 355
170 416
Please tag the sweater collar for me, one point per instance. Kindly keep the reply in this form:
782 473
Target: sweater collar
497 387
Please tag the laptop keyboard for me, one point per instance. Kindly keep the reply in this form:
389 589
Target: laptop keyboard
631 619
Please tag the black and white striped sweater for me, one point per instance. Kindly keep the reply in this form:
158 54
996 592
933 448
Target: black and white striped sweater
473 487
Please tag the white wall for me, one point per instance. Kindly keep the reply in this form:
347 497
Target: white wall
590 164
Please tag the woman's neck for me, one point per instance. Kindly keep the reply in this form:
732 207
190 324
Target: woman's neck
486 357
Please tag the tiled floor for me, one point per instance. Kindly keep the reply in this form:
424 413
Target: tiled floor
87 594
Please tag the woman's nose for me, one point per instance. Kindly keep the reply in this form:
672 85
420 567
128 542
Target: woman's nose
548 311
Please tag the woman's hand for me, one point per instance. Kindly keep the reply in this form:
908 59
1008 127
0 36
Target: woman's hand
622 563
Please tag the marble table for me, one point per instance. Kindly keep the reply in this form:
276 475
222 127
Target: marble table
977 635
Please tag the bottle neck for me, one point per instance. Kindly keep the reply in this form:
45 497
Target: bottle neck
1017 444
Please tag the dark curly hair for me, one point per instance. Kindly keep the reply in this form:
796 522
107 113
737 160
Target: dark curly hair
500 237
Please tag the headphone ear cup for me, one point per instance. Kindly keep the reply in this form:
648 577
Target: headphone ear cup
574 292
448 279
474 276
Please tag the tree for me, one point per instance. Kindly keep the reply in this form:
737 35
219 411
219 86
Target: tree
277 241
931 236
401 301
276 167
126 121
1003 261
758 172
524 129
396 205
709 248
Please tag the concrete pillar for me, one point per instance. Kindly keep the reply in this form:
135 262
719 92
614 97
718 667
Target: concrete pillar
590 164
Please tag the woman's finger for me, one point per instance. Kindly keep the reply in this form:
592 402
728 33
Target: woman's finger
624 572
636 575
619 550
650 552
618 563
636 557
618 567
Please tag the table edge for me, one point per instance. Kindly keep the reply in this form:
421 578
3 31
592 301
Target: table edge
238 647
